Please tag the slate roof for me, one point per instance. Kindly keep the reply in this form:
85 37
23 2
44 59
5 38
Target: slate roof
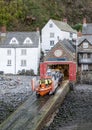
87 29
69 48
20 36
69 45
88 38
64 26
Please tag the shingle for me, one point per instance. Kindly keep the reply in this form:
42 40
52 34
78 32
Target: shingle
69 45
88 38
87 29
64 26
21 36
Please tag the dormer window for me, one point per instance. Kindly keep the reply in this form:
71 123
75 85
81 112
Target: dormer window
14 41
28 41
85 45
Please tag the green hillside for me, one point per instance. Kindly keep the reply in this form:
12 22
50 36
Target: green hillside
26 15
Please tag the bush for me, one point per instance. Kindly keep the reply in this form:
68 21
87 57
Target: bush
1 72
26 72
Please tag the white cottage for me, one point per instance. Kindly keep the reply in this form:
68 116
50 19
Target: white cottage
54 31
18 51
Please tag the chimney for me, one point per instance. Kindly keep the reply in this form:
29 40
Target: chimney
38 30
84 22
38 33
3 31
65 20
79 33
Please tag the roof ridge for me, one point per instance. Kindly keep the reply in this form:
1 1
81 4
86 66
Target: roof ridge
64 26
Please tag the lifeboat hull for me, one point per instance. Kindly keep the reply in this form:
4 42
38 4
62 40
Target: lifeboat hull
44 91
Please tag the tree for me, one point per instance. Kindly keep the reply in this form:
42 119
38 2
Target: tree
78 27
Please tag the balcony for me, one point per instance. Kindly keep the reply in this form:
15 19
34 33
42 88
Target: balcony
85 61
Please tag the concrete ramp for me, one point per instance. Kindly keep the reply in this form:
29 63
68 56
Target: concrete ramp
32 115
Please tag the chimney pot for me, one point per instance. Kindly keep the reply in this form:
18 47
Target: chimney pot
65 20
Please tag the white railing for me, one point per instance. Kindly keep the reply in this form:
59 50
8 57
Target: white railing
88 60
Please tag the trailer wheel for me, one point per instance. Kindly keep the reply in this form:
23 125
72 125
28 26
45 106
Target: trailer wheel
54 92
37 95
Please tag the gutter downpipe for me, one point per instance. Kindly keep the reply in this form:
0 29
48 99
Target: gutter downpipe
15 60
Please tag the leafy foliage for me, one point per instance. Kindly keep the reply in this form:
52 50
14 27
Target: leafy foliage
78 27
26 15
26 72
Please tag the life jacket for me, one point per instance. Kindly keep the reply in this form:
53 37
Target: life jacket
46 81
40 82
49 81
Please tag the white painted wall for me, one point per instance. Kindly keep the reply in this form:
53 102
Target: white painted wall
58 35
32 59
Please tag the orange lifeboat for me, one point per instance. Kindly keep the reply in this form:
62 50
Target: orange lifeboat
45 86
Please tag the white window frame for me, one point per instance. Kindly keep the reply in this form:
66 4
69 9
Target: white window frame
85 56
52 35
84 67
28 41
23 52
14 41
85 45
50 25
8 52
9 62
23 63
52 43
71 35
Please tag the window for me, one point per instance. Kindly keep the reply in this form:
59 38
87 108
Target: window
71 35
51 43
89 55
50 25
84 67
80 56
23 63
85 45
85 56
8 52
23 52
51 35
8 62
14 41
28 41
46 51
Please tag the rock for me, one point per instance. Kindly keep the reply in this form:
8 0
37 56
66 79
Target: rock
76 108
12 94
